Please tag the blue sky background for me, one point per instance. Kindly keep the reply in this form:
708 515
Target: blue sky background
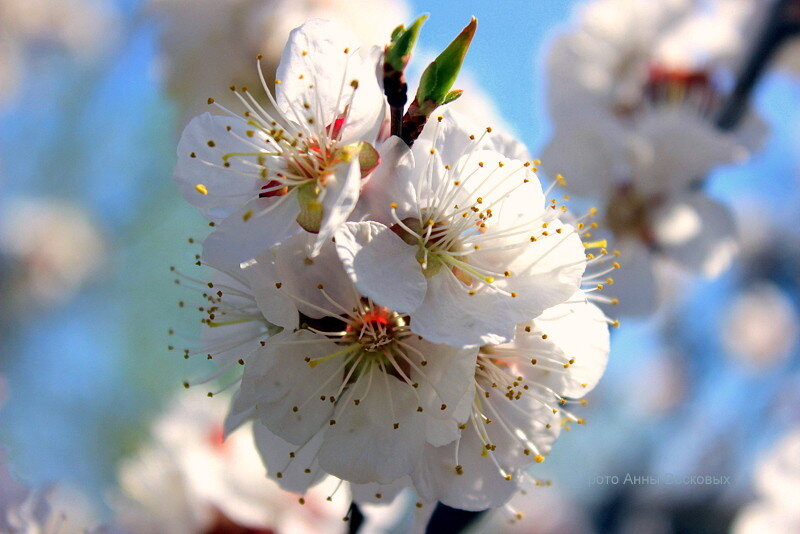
86 377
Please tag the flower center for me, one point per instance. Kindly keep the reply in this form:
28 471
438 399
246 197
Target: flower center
629 214
666 86
375 329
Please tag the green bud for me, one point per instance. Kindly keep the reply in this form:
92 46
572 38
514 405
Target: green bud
441 74
452 95
397 32
399 51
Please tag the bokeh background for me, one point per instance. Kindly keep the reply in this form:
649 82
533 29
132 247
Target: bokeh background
84 359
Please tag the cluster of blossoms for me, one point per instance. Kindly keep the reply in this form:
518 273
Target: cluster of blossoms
635 107
407 306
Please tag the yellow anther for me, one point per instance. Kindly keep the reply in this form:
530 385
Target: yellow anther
200 188
539 458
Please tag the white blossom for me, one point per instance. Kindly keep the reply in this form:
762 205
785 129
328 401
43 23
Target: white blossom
516 411
352 374
475 247
266 175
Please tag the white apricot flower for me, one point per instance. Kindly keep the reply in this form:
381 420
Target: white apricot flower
268 174
351 389
233 329
515 410
777 482
192 478
207 45
633 106
467 233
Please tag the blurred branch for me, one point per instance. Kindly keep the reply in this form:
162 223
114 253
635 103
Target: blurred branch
782 23
446 519
356 519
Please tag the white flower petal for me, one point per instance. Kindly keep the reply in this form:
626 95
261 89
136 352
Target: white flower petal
450 315
449 382
674 148
380 494
278 379
480 486
236 240
364 445
546 273
329 58
456 134
590 159
382 266
300 277
276 307
340 197
202 165
697 233
390 183
280 456
634 283
589 350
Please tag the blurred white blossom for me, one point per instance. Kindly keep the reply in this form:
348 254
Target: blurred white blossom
44 510
760 327
48 248
539 509
29 28
191 479
633 89
777 483
209 45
